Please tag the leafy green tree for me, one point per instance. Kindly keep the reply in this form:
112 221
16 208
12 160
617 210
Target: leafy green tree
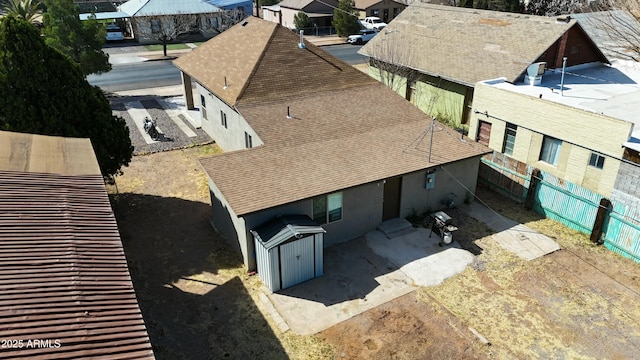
302 21
43 92
345 19
24 9
81 40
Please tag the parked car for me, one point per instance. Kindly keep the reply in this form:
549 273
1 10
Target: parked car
361 38
114 33
373 22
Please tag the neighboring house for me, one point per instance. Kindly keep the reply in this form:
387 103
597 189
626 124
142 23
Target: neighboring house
615 32
386 10
66 291
237 9
440 52
320 12
581 132
148 20
306 134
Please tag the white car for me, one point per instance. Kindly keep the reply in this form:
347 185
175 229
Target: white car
114 33
361 38
373 22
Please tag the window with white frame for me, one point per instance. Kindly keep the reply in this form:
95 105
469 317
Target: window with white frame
596 160
550 150
223 119
509 139
203 107
327 208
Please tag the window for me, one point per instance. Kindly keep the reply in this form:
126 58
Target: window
509 139
385 15
327 208
202 107
550 150
155 26
223 118
395 12
248 143
375 12
596 161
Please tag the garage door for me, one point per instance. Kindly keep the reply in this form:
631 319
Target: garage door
297 262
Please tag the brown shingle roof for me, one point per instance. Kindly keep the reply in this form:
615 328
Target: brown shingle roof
262 63
334 141
465 45
63 272
346 128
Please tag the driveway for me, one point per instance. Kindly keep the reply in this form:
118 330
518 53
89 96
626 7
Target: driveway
364 273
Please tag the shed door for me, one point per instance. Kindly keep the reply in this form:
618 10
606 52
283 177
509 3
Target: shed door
484 132
297 262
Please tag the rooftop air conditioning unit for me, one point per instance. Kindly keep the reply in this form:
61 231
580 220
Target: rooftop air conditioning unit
534 73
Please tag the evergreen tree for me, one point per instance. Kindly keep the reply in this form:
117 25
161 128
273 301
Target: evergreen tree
43 92
302 21
345 19
81 40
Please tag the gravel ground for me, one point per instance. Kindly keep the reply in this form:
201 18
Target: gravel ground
171 138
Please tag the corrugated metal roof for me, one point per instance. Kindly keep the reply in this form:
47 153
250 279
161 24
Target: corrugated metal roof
65 289
105 15
137 8
284 227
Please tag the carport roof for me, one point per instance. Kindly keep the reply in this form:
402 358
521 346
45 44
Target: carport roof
285 227
63 271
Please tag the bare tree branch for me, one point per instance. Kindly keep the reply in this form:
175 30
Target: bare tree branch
619 24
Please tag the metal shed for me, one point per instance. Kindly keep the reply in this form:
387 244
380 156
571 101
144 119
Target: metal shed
288 250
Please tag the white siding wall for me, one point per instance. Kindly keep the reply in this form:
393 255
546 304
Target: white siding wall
267 266
318 245
287 17
232 137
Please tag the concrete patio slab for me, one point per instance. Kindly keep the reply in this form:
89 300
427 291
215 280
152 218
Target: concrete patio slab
519 239
364 273
420 257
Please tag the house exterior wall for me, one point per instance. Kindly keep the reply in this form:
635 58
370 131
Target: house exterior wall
233 136
417 199
272 15
381 6
205 24
536 118
287 17
434 96
578 49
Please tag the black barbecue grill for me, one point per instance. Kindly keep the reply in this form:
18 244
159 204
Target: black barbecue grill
443 227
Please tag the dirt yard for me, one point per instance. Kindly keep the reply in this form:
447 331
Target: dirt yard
199 303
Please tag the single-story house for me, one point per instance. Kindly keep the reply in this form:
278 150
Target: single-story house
434 54
307 134
66 291
386 10
149 20
320 12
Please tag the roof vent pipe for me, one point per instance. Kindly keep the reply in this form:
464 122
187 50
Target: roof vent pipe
288 113
564 66
225 84
301 43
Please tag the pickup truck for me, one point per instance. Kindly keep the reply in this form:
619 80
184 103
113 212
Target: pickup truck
373 22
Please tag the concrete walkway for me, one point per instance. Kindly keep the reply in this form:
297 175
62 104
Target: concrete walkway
364 273
519 239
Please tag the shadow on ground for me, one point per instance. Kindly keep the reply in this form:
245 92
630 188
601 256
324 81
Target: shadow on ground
194 304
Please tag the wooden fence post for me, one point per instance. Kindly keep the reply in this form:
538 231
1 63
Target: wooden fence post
603 212
531 193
